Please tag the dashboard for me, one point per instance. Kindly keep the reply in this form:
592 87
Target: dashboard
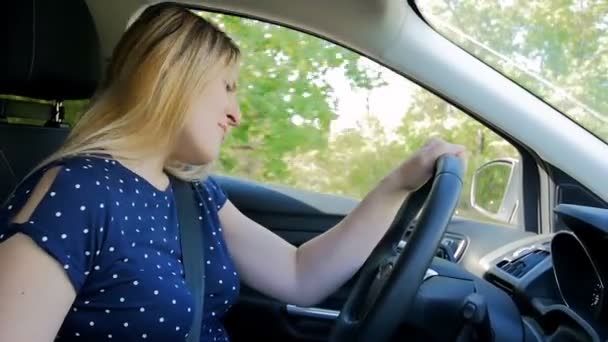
577 275
558 281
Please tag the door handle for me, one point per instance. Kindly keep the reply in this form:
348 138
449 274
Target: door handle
312 312
329 314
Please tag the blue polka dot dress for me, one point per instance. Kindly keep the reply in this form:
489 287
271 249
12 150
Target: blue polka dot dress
117 238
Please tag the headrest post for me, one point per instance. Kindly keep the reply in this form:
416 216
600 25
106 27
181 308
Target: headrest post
57 116
3 110
59 113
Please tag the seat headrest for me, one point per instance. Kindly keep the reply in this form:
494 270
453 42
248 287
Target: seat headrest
50 49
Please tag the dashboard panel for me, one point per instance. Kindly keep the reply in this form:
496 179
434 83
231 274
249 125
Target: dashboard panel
577 276
558 280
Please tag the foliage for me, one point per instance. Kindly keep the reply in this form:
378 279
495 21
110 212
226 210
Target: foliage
496 177
284 96
283 77
557 49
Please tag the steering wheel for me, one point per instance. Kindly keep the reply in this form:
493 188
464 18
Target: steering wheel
390 278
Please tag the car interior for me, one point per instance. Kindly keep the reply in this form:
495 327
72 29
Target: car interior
458 279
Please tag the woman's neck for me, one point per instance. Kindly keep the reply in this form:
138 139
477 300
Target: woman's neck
150 167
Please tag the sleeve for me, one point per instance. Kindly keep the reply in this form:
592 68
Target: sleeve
67 224
213 192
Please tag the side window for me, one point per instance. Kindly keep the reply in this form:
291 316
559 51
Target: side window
319 117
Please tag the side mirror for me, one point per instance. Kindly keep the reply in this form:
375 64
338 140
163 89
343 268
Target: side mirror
496 189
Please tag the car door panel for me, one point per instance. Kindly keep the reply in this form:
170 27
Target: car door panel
298 216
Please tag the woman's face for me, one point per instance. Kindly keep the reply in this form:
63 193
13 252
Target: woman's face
211 116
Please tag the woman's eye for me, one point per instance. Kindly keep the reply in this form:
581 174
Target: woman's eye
230 87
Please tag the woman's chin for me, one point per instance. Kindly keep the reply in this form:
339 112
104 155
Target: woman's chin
208 156
200 157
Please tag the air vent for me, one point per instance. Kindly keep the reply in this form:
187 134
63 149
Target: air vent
520 266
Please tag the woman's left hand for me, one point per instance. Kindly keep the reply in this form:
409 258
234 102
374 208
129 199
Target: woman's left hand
418 169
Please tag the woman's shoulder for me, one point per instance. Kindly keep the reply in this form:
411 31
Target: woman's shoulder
70 178
213 192
77 166
63 210
210 182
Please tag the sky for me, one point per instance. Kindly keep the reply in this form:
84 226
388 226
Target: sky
387 103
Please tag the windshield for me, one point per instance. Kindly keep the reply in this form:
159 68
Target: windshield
558 50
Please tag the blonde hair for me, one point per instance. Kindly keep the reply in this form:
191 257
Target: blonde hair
162 61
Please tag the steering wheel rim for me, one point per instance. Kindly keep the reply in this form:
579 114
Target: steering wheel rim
391 276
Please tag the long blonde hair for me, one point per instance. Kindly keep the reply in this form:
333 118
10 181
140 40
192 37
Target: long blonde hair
162 61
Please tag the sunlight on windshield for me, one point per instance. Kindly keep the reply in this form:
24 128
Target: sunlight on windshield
558 50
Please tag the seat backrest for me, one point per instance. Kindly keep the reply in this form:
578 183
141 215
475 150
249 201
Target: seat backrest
22 148
50 53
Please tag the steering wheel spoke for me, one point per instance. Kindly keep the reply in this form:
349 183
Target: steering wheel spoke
390 278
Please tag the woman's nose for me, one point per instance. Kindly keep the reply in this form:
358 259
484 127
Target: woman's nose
234 116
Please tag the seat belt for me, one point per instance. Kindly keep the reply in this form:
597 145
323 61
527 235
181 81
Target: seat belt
192 243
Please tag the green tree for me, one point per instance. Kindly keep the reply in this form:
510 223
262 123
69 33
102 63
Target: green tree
284 96
495 177
558 49
429 115
287 106
358 158
352 163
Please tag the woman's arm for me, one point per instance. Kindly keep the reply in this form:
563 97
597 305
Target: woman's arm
306 275
35 293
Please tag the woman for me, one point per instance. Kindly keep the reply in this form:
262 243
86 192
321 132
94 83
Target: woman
89 246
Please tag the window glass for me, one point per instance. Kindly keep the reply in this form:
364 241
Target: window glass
319 117
555 49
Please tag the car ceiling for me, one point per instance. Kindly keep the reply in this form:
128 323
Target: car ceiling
367 26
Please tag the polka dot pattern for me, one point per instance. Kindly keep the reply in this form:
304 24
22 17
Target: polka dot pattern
117 238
